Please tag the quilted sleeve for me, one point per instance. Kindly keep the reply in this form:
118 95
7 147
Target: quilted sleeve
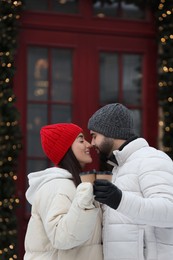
70 223
155 207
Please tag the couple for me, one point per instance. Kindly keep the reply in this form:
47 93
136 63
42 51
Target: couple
136 220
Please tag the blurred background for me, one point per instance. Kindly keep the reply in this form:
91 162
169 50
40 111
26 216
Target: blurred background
60 61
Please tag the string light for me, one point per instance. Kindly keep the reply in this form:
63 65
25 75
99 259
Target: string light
165 25
10 136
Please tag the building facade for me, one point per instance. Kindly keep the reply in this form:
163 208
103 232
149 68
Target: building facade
73 58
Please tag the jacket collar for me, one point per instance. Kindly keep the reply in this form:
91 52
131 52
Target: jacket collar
128 149
112 159
127 142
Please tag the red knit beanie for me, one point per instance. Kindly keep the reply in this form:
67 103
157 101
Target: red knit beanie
56 139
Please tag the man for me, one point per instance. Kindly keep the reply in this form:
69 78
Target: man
138 204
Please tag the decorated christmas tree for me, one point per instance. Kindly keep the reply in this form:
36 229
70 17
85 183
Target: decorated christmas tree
164 16
10 134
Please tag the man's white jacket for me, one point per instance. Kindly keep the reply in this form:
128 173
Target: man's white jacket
142 226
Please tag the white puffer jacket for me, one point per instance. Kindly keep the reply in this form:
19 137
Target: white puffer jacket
142 226
65 222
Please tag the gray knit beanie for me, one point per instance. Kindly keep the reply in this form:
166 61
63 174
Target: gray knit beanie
114 121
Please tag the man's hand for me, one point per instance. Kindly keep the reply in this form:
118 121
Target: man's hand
107 193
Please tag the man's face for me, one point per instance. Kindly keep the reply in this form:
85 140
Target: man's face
103 145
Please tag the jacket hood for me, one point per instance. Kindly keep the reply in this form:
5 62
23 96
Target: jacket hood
38 179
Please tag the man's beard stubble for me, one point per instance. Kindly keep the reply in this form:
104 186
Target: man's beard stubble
105 149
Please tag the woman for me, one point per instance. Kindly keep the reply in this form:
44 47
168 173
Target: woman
65 221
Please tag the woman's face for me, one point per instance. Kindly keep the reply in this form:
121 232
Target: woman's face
81 150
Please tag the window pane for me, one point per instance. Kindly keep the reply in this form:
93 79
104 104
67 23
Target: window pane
65 6
61 113
118 9
109 77
137 118
61 75
60 6
37 5
103 9
36 165
132 79
37 117
131 11
37 73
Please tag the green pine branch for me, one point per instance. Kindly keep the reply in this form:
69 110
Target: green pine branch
10 133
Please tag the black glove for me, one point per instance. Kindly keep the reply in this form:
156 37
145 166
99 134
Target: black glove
107 193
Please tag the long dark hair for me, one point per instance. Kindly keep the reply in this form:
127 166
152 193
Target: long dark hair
71 164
